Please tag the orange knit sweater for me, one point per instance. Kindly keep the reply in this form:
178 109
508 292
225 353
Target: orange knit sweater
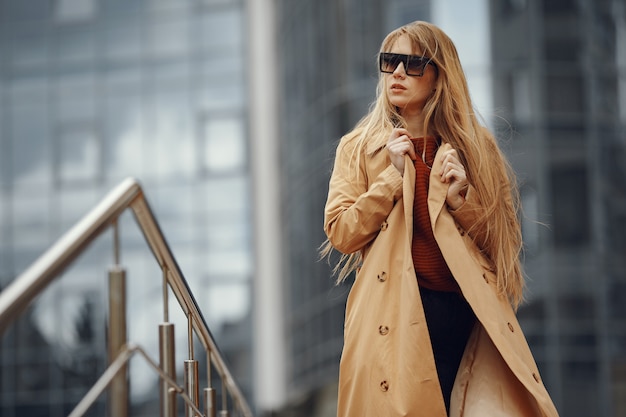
430 267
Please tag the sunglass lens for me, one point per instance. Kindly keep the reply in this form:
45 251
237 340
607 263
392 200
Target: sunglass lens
389 62
416 65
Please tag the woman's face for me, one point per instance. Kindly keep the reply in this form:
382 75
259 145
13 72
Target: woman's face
408 93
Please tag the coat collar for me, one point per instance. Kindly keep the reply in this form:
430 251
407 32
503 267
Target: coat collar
375 145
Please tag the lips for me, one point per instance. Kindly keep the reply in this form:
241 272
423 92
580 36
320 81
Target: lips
397 87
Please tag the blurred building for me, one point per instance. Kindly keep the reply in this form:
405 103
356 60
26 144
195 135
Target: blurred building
91 92
559 70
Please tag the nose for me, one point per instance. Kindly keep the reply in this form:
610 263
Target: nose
400 70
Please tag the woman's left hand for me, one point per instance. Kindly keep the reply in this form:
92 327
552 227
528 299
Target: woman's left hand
453 172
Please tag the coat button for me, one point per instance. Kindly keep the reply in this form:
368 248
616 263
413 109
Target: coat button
384 225
510 327
384 386
382 277
536 377
383 330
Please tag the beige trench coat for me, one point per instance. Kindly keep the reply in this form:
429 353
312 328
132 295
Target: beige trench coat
387 366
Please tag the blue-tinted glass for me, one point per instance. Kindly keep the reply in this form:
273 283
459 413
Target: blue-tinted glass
79 154
168 38
222 29
28 88
76 98
31 153
72 47
15 10
123 132
173 205
224 143
74 203
75 11
122 40
28 53
222 63
171 150
227 302
225 92
31 224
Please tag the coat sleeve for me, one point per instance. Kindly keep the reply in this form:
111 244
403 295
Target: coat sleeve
356 207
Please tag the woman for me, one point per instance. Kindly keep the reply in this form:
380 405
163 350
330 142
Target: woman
423 206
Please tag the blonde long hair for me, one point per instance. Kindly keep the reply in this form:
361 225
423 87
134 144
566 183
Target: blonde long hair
449 114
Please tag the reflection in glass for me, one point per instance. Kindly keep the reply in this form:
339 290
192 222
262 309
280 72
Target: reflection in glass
224 143
228 302
79 154
123 151
122 41
168 38
75 47
222 29
31 221
170 146
28 53
71 11
30 144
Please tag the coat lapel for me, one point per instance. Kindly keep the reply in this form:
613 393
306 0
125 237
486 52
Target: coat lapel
437 189
408 194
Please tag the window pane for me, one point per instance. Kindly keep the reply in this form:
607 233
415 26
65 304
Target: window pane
227 303
79 158
171 149
168 38
571 203
30 144
72 47
222 29
76 98
27 53
28 89
123 40
31 226
222 92
69 11
224 144
123 154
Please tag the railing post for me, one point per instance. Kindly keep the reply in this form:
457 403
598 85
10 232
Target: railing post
210 395
167 356
192 386
118 391
167 363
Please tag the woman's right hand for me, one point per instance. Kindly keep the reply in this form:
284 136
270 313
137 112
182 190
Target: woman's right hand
398 145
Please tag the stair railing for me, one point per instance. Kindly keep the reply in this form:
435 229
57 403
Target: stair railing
16 297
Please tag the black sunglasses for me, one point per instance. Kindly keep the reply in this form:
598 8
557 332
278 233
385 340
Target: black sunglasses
413 64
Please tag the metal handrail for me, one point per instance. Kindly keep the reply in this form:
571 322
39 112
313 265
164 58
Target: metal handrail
16 297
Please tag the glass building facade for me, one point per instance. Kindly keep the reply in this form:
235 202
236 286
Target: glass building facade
558 76
92 92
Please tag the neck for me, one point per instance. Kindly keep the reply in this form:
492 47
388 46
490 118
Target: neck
415 124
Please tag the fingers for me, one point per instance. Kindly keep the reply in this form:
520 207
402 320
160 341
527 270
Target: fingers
453 172
451 168
399 143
